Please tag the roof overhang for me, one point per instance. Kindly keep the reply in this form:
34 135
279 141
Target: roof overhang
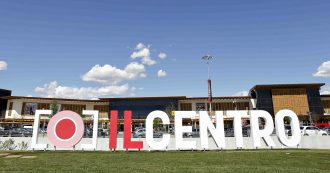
144 98
282 86
48 99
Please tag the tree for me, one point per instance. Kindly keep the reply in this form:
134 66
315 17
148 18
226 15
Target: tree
54 107
157 122
169 111
22 120
287 120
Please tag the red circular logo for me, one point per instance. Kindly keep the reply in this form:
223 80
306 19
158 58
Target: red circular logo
65 129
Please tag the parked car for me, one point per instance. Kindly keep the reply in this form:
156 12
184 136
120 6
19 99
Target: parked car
327 129
16 132
138 128
27 132
142 134
43 131
229 132
88 132
193 134
312 131
246 131
4 132
287 129
172 130
101 133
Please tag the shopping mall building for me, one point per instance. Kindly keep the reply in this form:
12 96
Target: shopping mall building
304 99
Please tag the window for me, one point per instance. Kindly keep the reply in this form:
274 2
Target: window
74 108
185 107
43 106
326 106
10 108
29 108
242 105
102 108
200 107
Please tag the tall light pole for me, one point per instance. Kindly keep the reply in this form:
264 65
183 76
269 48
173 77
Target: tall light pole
208 58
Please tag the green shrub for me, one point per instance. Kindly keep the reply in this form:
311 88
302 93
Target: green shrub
8 144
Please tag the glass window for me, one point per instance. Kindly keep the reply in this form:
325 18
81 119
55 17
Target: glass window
200 107
10 108
102 108
185 106
43 106
75 108
29 108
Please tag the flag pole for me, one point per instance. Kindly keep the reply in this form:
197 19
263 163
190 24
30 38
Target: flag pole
207 58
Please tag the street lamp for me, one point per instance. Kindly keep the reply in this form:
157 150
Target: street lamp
208 58
310 118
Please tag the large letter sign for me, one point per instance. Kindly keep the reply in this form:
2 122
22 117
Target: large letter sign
265 133
113 130
65 129
34 144
238 115
95 115
295 129
128 143
150 129
179 130
217 133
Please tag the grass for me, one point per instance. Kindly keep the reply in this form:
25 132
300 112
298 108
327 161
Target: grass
210 161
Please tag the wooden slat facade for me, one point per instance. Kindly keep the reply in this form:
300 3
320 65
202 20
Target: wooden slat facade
224 106
294 99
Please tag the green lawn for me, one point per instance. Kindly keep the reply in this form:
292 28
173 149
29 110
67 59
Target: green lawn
301 161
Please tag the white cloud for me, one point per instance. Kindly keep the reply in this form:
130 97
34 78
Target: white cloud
53 89
161 73
148 61
323 70
241 93
162 55
143 53
140 46
143 75
325 90
3 65
133 89
109 74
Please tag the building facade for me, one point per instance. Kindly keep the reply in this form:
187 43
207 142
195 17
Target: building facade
304 99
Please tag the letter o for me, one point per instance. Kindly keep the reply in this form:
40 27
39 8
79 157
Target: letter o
65 129
295 128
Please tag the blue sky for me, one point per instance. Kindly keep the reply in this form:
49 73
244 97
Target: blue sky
254 42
